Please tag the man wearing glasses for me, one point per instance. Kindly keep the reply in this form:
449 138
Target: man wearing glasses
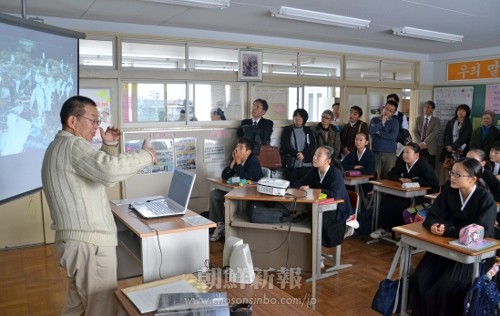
384 131
75 176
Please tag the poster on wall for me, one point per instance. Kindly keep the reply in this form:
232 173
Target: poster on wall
493 98
133 146
165 152
213 152
102 97
185 153
447 99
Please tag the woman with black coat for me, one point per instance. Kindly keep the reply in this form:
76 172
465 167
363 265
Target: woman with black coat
457 134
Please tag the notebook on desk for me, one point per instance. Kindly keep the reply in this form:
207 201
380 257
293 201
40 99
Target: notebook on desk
177 199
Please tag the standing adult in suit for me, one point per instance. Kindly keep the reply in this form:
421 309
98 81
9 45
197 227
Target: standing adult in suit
485 135
257 129
426 133
457 134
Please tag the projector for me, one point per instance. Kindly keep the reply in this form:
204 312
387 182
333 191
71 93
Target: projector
272 186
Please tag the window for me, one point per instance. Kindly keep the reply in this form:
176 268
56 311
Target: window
397 71
318 99
211 58
280 63
320 66
163 56
357 69
96 52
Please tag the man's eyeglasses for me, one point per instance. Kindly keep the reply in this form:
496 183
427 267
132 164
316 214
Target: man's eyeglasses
95 122
456 175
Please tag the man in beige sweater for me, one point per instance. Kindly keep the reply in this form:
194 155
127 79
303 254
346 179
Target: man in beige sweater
75 176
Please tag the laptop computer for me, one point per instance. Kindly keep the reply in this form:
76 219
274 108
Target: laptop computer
177 199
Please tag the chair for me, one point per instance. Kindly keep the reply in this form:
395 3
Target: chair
266 172
351 222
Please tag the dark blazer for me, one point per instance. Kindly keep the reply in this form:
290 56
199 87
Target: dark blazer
287 148
250 170
260 135
476 140
367 161
432 133
464 136
421 172
446 209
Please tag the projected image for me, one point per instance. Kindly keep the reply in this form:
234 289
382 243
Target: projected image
38 72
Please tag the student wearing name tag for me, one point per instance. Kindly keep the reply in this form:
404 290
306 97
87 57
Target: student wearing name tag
411 169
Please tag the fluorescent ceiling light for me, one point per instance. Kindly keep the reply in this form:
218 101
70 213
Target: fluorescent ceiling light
428 35
320 17
212 4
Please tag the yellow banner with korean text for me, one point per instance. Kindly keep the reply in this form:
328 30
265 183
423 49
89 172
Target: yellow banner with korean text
473 70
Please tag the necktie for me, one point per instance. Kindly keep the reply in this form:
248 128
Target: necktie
426 123
254 123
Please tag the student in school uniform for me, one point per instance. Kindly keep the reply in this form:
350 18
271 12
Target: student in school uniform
495 159
411 169
361 159
439 284
491 181
327 174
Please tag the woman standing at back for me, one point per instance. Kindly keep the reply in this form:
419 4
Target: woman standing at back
457 134
440 284
298 145
325 133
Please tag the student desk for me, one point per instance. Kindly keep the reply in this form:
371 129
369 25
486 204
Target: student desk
158 248
394 188
357 183
415 235
261 297
221 184
268 242
433 196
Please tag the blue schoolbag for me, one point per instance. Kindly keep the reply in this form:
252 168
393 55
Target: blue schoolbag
483 297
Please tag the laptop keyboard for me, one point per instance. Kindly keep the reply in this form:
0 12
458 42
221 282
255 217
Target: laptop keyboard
159 208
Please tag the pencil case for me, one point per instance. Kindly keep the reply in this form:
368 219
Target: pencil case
471 234
353 173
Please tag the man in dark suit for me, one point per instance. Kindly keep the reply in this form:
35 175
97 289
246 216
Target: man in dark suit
426 133
257 128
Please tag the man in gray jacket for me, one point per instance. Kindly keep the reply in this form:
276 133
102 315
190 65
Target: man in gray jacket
426 132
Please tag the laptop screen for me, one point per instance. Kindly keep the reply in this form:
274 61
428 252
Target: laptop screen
181 187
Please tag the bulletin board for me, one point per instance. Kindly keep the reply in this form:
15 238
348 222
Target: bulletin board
205 152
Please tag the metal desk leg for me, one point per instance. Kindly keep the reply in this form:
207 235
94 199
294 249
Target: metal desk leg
406 278
376 208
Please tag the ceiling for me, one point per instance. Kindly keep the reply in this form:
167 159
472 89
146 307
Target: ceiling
476 20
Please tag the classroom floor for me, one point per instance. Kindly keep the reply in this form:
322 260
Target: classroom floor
31 282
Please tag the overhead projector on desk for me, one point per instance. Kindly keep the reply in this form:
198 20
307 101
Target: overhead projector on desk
273 186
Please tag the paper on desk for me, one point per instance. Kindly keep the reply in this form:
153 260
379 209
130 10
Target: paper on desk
197 220
146 299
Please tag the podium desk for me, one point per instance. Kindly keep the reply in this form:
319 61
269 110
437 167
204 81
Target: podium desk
394 188
415 235
265 300
280 244
158 248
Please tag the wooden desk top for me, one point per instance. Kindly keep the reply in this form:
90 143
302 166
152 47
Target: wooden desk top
287 304
417 231
249 193
391 184
145 227
222 182
361 177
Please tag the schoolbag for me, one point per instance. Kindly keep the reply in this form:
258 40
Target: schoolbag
483 297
